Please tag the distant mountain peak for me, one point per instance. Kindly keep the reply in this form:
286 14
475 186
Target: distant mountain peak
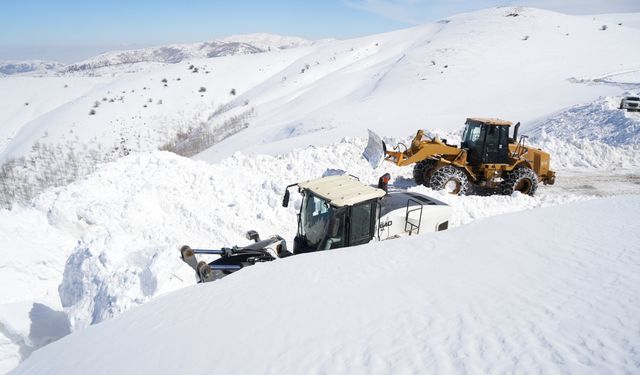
10 67
175 53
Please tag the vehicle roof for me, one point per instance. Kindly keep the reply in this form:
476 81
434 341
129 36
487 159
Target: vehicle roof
341 190
490 121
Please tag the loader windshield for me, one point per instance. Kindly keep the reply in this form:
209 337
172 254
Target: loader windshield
320 225
471 134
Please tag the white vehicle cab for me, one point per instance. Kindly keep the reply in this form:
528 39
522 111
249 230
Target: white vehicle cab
341 211
336 211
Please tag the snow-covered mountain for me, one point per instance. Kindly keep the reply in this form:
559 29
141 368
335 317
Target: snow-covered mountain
29 66
486 63
105 239
172 54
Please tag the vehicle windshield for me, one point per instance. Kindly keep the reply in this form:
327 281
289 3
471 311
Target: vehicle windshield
471 134
315 218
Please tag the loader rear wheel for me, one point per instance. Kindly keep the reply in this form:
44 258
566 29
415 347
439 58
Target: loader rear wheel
451 179
522 179
422 171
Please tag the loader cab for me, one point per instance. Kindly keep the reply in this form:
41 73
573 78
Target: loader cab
335 212
486 141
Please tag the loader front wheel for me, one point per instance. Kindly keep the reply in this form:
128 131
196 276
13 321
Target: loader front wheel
522 179
451 179
422 171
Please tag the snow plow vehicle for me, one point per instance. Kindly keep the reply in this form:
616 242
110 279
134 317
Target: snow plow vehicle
487 158
336 212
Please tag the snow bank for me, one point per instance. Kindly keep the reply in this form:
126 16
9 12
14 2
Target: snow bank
538 291
600 120
132 215
595 134
109 242
119 229
32 258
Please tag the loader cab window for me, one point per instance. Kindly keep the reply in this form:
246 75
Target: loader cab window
471 135
472 139
321 225
361 223
496 145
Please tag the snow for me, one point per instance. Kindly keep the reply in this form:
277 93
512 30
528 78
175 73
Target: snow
431 76
133 215
120 228
9 67
482 298
32 259
28 98
135 107
99 257
614 19
591 135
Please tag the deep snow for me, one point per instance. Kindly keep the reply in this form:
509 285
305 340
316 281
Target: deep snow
92 250
527 292
119 229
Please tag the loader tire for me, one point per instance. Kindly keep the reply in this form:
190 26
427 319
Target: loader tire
422 171
449 178
522 179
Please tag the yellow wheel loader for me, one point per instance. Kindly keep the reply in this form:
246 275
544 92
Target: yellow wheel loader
487 158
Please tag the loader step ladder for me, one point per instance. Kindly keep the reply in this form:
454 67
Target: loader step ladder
413 221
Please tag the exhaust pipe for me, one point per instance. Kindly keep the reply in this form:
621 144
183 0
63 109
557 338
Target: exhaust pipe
383 182
515 132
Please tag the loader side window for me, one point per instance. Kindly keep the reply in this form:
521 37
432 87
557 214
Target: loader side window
315 216
472 139
361 219
496 145
471 135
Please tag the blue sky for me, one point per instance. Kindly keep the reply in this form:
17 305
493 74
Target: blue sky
70 30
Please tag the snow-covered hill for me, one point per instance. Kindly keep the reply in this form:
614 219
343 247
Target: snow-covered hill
485 63
484 298
172 54
30 66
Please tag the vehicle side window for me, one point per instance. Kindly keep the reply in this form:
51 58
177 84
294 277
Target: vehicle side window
471 134
493 135
316 215
361 223
504 135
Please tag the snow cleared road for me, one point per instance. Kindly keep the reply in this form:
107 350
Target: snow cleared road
531 292
596 183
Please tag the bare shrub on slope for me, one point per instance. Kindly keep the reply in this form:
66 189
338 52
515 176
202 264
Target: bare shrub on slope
195 139
50 165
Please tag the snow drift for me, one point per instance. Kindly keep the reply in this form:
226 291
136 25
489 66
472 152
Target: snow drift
483 298
136 213
596 134
110 241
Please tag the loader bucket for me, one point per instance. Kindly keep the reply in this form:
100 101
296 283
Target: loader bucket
375 150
